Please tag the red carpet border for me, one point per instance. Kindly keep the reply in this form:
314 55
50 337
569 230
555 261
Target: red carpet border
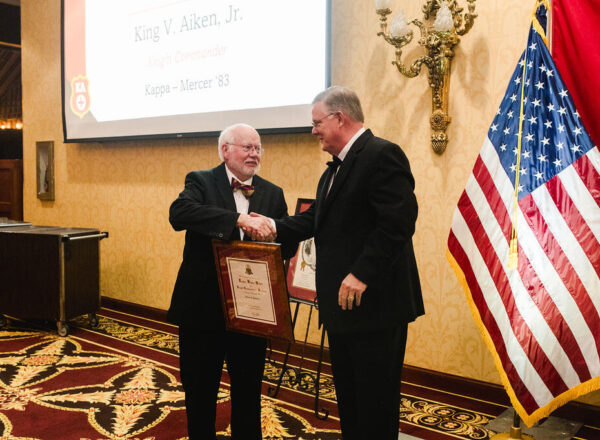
121 381
118 381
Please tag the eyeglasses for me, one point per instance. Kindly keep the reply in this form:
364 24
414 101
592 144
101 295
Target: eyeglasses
318 122
248 148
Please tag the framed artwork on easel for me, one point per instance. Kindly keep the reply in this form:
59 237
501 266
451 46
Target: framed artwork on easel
302 266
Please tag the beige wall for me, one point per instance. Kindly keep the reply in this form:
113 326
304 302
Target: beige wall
126 187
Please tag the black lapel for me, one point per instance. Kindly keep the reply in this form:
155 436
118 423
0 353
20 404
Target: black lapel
257 197
343 173
224 187
320 199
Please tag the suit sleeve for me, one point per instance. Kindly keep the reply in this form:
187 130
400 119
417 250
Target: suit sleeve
391 196
288 248
294 229
193 211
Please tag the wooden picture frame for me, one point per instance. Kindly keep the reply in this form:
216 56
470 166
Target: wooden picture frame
44 165
302 266
253 291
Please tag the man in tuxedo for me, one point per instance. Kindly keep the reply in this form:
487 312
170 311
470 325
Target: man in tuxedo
368 289
215 204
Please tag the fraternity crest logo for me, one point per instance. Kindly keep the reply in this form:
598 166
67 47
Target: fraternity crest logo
80 96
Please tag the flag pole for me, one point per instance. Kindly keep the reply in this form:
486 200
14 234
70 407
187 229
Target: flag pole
515 431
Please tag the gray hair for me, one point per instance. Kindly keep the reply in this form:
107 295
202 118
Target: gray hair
227 137
341 99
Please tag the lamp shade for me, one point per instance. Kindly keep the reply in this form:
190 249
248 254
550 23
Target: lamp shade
382 4
443 19
399 27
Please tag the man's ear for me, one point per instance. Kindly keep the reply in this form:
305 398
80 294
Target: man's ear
224 149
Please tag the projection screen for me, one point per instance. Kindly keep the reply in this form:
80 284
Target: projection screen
174 68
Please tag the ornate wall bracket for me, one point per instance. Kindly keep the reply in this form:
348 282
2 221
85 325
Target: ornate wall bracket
438 38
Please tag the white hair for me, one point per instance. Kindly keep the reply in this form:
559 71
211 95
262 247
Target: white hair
227 137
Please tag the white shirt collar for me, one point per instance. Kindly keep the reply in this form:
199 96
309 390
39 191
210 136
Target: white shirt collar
230 175
345 150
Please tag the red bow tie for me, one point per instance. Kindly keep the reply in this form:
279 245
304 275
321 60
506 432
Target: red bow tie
247 190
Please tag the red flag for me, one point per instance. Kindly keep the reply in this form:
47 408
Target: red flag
533 198
576 54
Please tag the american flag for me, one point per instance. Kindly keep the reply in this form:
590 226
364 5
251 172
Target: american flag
540 318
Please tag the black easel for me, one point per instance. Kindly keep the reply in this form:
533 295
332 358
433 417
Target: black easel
296 375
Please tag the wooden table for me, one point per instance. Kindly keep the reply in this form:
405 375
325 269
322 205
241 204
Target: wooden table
49 273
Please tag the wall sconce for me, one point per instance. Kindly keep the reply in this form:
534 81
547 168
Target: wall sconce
438 37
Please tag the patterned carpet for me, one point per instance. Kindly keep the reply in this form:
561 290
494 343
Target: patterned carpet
121 381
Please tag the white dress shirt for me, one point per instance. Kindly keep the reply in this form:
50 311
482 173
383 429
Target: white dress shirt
241 202
342 154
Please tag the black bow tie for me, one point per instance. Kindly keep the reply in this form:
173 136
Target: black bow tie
334 162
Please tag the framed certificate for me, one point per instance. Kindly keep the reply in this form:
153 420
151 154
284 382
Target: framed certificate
302 266
253 290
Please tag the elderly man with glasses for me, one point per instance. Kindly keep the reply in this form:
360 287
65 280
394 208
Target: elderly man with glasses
216 203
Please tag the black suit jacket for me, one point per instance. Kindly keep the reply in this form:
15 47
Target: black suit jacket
364 227
206 210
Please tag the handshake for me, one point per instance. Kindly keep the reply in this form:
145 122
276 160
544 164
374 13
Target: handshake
258 227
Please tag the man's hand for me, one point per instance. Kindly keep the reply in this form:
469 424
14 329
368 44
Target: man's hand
351 291
258 227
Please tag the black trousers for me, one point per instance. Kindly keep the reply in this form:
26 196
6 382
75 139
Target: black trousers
201 358
367 370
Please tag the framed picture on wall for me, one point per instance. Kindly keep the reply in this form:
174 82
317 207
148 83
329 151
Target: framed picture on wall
302 266
44 160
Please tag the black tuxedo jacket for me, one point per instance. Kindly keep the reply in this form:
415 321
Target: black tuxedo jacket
206 210
364 226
